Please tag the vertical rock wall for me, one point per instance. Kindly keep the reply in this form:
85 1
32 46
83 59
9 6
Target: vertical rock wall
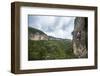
80 37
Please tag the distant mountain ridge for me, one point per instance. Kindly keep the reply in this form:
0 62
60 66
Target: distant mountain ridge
36 34
34 30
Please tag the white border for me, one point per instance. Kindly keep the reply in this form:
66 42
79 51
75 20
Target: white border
25 64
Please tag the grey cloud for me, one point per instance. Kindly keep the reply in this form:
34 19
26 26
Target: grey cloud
68 24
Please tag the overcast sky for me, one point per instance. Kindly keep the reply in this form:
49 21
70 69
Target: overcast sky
60 27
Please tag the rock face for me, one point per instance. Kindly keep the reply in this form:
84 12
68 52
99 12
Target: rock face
35 34
80 37
38 36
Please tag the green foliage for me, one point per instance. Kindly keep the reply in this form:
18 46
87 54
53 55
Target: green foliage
50 49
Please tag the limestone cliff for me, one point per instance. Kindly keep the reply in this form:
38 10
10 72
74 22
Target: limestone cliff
35 34
80 37
38 36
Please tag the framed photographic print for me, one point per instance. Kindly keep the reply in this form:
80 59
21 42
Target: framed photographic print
52 37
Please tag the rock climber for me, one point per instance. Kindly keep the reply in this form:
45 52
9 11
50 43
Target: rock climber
78 35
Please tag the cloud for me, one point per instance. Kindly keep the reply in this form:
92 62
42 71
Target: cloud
56 26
